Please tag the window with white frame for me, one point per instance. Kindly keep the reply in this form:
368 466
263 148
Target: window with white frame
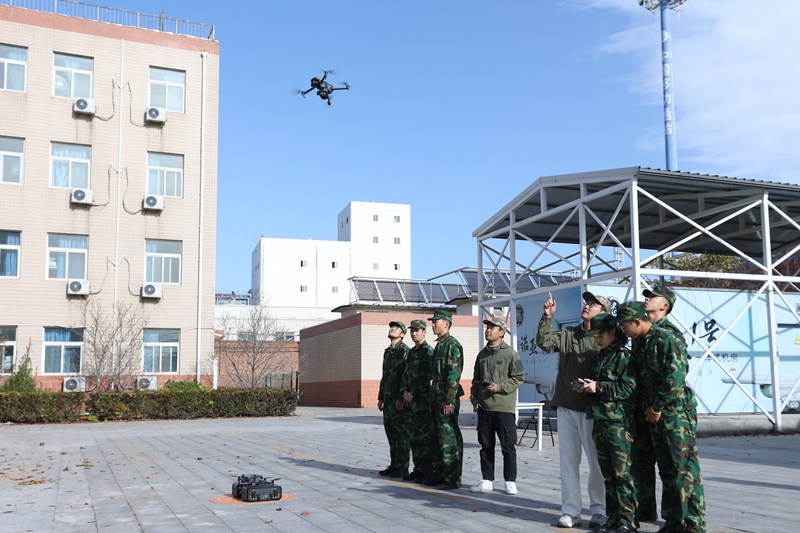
397 218
397 266
8 347
66 256
71 165
303 288
161 350
11 152
165 174
62 350
334 264
335 290
374 218
72 76
397 240
13 67
374 266
163 261
303 263
375 240
166 88
9 253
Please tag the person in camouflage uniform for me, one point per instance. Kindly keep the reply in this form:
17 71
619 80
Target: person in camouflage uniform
611 408
446 392
390 401
672 415
416 385
659 302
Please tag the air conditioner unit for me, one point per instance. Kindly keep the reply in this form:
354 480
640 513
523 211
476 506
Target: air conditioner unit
153 202
81 196
74 385
146 383
78 287
156 114
84 106
151 290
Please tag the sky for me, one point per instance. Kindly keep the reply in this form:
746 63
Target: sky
457 106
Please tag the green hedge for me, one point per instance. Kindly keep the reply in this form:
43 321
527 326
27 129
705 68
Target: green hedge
42 406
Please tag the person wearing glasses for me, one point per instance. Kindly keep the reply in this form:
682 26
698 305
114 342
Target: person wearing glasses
577 350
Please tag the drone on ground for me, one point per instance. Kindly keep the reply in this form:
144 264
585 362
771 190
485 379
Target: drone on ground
323 88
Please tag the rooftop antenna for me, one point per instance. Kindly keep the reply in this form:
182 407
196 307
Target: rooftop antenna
666 70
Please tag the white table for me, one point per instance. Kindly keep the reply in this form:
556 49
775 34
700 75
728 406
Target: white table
532 406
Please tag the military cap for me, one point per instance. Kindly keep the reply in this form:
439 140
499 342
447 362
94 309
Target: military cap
442 313
495 321
603 322
418 324
602 300
631 310
399 325
664 292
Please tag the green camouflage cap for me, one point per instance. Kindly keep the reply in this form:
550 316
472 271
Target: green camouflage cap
399 325
496 321
602 300
442 313
664 292
603 322
418 324
630 310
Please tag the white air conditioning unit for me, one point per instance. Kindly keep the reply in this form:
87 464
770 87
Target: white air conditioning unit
78 287
153 202
81 196
74 385
146 383
156 114
84 106
151 290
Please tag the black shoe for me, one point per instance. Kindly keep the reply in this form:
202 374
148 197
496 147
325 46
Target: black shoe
431 481
622 529
670 529
386 472
647 517
420 479
399 473
412 476
448 486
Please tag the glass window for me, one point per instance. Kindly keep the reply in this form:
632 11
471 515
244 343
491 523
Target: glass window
334 290
163 261
72 76
303 288
397 240
66 256
375 240
8 345
161 350
11 150
62 350
374 266
13 67
374 218
396 218
334 264
303 263
9 253
397 266
165 174
70 165
166 88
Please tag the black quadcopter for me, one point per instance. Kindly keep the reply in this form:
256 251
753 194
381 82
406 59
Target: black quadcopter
323 88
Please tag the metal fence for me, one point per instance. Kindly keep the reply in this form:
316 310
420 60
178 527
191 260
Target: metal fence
112 15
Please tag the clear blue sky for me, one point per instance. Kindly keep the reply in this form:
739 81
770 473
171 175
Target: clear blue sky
458 105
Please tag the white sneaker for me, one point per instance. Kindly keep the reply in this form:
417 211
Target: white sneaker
511 487
569 521
484 486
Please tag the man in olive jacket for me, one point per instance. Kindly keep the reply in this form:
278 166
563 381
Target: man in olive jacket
497 376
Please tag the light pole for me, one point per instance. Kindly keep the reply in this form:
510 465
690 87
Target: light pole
666 71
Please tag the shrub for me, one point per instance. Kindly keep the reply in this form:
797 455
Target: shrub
21 379
171 385
40 407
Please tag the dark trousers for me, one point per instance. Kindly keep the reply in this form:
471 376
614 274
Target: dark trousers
503 425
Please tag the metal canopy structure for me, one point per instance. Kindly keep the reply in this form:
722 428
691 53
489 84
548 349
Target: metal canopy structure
623 226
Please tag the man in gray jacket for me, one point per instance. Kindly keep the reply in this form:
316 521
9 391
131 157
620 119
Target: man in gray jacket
497 376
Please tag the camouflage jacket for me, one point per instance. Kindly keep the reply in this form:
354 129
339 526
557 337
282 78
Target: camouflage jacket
615 385
500 365
448 363
417 376
394 363
661 365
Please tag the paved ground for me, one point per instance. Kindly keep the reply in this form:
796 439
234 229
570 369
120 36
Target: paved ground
163 476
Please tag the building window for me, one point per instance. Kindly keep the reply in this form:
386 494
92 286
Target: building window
397 218
161 350
284 336
166 88
335 290
8 345
165 174
303 263
375 240
397 240
66 256
71 166
374 266
334 264
11 150
374 218
13 67
62 350
72 76
397 266
163 261
9 253
303 288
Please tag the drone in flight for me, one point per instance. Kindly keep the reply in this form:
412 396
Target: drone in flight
323 88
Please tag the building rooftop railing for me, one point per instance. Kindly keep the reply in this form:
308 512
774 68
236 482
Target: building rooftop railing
112 15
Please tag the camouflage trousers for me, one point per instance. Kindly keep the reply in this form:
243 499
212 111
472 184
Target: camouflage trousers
395 424
449 443
643 464
613 441
422 433
675 444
